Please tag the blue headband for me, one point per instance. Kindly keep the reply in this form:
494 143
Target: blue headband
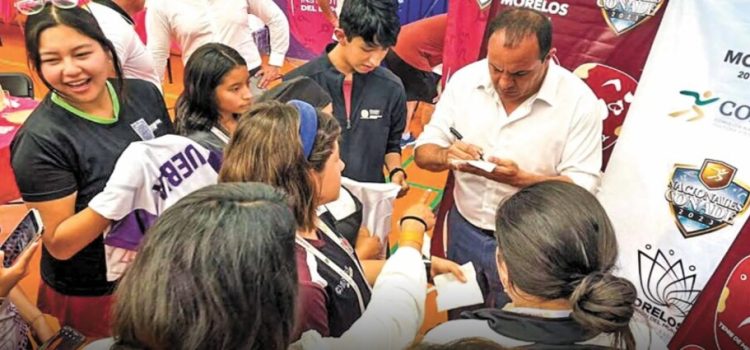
308 125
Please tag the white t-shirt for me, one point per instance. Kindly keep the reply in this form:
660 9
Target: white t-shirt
149 177
135 60
197 22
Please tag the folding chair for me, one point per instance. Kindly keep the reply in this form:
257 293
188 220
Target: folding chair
18 84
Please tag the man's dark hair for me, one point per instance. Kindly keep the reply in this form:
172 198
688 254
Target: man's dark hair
376 21
519 23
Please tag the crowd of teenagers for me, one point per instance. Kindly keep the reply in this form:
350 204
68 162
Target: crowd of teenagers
209 230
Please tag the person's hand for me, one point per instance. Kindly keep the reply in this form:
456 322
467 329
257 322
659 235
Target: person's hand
422 211
506 171
368 246
400 179
460 150
11 275
267 73
441 266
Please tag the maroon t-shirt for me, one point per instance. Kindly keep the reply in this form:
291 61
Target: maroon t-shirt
420 43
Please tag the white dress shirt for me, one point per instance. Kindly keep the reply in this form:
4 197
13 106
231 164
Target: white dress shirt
555 132
135 60
197 22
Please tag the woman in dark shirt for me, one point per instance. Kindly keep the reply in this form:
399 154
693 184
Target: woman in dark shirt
66 150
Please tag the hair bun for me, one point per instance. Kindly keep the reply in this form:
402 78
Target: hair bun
603 302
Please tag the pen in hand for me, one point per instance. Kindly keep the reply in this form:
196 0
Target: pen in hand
460 137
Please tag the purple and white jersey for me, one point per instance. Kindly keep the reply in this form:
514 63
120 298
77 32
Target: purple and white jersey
149 177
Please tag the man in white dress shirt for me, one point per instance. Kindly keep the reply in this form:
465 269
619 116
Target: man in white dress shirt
197 22
518 110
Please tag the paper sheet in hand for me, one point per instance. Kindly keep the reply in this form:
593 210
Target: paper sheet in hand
452 293
377 205
481 164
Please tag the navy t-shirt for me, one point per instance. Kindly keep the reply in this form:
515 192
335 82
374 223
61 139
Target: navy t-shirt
376 120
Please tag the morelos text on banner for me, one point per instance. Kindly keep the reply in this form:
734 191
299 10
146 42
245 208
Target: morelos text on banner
677 184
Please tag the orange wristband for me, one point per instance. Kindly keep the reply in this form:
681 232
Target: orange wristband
411 236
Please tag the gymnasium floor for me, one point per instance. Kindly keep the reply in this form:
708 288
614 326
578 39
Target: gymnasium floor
13 59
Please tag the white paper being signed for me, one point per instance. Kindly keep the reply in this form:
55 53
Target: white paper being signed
481 164
452 293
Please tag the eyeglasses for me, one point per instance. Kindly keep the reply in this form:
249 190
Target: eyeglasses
32 7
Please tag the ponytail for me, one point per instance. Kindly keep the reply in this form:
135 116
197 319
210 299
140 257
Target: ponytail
604 303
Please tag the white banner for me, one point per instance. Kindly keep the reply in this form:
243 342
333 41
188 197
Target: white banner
677 183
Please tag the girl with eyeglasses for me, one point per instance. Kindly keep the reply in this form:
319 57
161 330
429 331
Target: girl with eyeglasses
66 151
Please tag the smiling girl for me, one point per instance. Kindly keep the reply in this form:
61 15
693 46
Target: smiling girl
66 150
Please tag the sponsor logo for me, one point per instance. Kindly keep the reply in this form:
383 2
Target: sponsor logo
544 6
370 114
699 100
667 288
732 115
624 15
706 198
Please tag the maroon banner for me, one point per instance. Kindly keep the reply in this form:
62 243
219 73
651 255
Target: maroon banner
720 318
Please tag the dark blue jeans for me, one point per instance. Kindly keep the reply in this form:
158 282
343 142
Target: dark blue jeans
467 242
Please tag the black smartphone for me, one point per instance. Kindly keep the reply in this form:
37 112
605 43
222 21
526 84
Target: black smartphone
27 231
67 339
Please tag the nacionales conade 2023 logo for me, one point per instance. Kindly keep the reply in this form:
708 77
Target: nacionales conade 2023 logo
706 198
667 287
624 15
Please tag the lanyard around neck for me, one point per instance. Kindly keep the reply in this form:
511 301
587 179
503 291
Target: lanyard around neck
220 134
339 271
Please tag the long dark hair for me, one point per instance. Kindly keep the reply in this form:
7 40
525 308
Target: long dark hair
196 108
266 148
557 242
76 18
216 271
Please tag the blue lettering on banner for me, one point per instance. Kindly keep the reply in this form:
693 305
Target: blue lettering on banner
178 168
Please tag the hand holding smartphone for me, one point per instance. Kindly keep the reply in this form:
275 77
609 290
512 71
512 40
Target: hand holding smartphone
27 232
